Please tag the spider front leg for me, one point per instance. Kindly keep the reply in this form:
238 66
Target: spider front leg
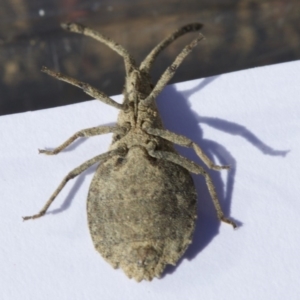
148 61
78 28
170 71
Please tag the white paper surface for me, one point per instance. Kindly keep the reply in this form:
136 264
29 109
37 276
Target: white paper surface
248 119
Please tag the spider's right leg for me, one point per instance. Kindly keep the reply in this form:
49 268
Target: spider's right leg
170 71
148 61
196 169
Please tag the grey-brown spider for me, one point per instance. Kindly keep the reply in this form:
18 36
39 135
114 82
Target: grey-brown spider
142 201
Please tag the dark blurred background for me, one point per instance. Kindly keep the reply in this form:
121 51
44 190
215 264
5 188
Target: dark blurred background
239 35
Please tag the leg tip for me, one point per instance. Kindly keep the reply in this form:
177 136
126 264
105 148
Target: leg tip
73 27
44 69
65 26
40 214
230 222
47 152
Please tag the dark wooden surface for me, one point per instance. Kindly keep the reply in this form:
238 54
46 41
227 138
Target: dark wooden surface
239 35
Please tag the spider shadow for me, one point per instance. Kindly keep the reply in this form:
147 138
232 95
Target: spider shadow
179 118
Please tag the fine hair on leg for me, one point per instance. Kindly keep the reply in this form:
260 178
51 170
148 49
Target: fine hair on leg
148 61
170 71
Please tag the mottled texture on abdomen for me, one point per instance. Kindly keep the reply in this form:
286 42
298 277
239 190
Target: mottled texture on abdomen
141 213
